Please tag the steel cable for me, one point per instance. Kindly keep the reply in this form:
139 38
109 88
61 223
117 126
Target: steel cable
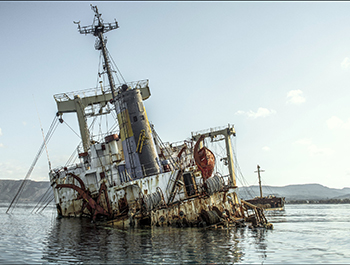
41 200
24 182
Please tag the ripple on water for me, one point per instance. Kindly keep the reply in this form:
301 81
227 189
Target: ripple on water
300 235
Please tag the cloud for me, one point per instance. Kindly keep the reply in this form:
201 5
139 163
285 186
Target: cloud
10 170
261 113
266 148
295 97
313 149
240 112
345 63
304 141
336 123
0 132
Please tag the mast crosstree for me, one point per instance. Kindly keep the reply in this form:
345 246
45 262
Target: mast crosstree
97 29
78 104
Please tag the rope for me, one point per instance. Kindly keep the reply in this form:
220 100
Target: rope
152 200
49 201
24 182
267 188
42 132
241 178
214 184
115 65
41 200
71 128
69 161
172 161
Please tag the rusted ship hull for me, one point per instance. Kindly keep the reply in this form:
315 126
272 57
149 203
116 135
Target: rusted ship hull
269 203
137 204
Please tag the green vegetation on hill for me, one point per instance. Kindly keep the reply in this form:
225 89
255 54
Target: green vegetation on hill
329 201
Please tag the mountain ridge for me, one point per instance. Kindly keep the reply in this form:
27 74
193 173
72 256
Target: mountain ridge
34 190
312 191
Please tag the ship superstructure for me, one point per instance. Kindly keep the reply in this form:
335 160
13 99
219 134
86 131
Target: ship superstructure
130 177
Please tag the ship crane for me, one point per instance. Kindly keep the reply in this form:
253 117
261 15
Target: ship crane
226 133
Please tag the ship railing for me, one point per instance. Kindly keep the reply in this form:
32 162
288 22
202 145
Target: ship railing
82 93
214 129
97 91
179 143
98 138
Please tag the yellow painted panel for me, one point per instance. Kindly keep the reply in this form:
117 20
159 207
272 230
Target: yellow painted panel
146 118
125 125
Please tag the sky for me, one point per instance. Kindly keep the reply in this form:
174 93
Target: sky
278 71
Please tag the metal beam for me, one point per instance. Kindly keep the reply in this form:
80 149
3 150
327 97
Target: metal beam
226 132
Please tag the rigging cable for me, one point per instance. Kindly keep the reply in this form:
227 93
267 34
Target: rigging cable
115 65
69 161
162 145
268 188
41 201
242 180
44 200
42 132
71 128
98 69
48 202
24 182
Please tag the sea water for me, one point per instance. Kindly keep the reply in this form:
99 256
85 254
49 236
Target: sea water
309 233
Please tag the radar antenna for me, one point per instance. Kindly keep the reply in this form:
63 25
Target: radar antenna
97 29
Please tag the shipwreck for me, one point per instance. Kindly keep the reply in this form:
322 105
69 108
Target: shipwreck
129 177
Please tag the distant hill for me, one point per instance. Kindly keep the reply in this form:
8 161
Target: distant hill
35 189
32 191
296 192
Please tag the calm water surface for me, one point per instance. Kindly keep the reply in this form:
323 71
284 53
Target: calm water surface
302 234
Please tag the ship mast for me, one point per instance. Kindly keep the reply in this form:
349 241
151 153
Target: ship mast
97 29
133 123
258 171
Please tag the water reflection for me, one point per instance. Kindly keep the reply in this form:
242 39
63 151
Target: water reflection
276 216
259 236
78 240
304 238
